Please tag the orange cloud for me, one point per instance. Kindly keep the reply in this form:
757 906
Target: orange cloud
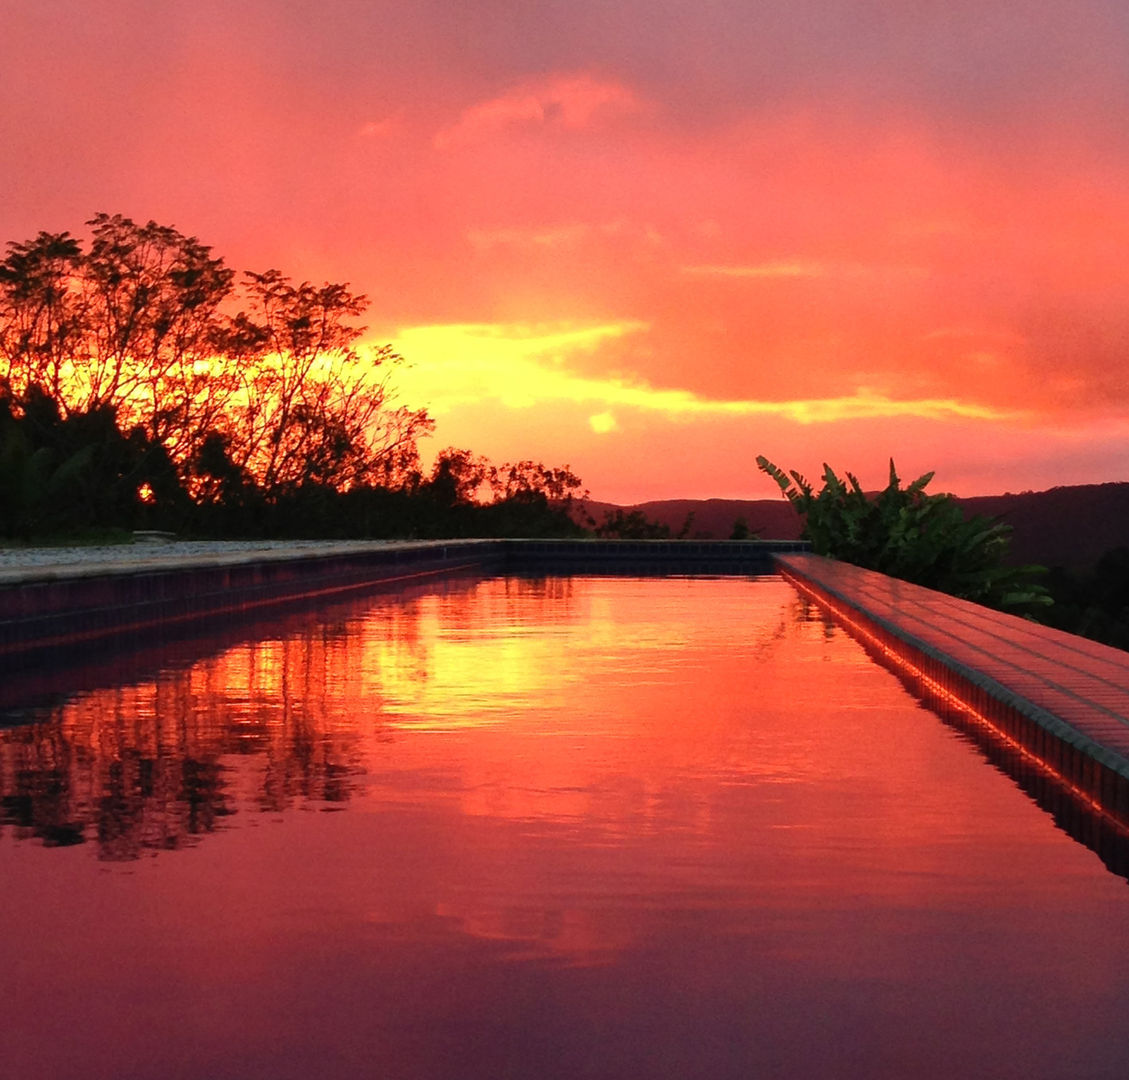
831 231
520 367
793 269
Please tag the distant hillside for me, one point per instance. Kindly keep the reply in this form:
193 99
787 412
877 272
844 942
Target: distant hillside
714 518
1066 526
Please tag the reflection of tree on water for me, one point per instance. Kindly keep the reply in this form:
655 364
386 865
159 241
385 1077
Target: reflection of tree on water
64 782
154 765
154 756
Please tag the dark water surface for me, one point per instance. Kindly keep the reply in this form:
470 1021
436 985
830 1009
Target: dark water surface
560 828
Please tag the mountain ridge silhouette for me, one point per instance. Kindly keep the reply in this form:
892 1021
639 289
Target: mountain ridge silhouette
1070 526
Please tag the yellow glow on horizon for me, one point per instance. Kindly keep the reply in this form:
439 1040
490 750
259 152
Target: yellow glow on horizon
518 367
515 364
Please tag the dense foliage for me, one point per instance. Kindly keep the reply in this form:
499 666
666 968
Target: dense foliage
620 524
910 534
143 386
1094 602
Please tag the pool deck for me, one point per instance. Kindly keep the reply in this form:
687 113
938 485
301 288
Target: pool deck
1060 698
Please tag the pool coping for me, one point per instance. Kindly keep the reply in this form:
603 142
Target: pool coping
1059 700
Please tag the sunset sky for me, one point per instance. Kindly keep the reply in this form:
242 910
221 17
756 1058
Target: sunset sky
651 238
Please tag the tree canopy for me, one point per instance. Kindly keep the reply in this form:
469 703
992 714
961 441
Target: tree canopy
143 381
146 322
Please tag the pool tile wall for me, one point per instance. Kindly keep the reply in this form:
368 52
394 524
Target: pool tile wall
647 557
44 610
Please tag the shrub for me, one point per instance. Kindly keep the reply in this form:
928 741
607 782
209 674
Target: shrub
912 535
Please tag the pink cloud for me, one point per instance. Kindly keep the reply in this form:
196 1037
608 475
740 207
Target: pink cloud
570 102
381 129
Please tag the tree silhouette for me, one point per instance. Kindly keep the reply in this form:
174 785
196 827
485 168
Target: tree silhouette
309 410
141 383
140 324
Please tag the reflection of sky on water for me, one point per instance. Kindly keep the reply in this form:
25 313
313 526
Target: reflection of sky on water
591 827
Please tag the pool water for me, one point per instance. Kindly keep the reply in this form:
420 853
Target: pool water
573 827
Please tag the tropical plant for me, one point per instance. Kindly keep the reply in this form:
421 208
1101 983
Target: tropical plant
913 535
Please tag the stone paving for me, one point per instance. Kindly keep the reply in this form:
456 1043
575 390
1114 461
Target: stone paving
29 563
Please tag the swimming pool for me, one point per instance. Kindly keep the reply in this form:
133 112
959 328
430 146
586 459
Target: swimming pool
539 827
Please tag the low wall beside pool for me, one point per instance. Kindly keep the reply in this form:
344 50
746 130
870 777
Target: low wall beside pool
154 588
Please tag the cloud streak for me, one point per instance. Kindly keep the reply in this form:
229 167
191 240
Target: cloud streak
801 268
522 367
